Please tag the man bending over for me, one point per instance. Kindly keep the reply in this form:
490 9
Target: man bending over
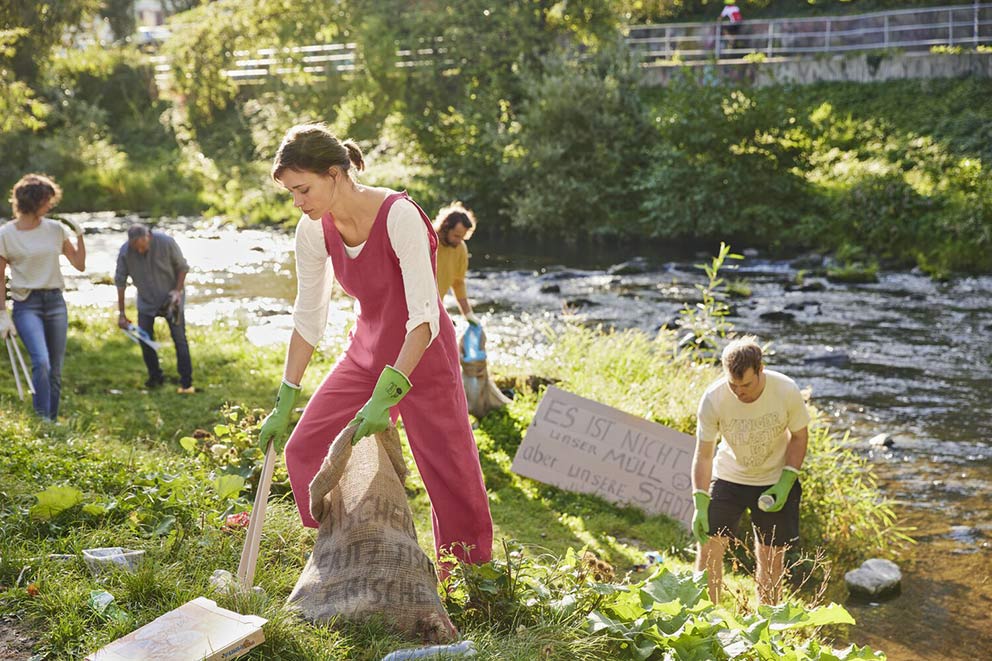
754 420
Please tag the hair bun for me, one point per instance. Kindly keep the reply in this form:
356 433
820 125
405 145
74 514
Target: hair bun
355 154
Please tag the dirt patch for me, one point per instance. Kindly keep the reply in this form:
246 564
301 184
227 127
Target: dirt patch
15 645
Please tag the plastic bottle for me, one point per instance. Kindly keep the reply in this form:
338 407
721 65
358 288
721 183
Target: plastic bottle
765 502
463 648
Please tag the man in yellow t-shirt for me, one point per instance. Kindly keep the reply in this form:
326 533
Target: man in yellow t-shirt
454 226
751 439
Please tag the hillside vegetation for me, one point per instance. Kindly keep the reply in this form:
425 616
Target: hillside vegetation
535 117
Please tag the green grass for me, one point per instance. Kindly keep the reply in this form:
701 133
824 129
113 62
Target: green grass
119 446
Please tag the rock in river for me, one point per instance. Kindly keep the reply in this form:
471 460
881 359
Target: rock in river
633 267
777 315
882 440
874 578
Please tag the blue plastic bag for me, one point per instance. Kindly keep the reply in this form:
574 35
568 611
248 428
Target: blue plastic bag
472 350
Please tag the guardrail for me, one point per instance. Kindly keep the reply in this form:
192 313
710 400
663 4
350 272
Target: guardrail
907 29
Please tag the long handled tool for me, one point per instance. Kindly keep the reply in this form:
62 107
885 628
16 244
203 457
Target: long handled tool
13 366
249 554
12 349
24 368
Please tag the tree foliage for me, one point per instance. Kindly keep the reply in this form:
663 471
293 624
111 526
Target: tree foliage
120 16
726 163
20 108
44 24
579 140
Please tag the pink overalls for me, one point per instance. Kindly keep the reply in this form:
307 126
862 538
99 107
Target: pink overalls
434 412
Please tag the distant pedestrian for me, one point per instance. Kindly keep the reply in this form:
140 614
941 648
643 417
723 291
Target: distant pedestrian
158 270
732 13
454 226
31 245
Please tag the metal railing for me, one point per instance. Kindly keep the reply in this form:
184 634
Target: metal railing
908 30
905 29
253 67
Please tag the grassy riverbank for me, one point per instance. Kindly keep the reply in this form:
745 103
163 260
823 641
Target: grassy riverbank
135 479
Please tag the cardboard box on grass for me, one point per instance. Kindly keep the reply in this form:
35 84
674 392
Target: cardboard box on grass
199 630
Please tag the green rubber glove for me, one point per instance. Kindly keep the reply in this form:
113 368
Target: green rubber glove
391 387
701 519
780 490
277 421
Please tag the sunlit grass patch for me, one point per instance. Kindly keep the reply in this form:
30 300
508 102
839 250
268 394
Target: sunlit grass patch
159 472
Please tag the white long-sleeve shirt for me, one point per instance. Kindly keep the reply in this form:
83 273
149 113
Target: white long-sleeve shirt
315 274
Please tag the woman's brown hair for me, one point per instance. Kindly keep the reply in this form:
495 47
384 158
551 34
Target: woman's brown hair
313 148
32 191
454 214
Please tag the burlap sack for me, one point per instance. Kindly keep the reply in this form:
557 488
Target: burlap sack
366 559
482 394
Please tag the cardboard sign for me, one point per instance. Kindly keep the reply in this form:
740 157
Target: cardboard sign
199 630
581 445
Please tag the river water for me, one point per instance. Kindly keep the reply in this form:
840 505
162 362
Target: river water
905 356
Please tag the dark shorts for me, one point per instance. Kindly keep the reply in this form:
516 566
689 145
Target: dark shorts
729 500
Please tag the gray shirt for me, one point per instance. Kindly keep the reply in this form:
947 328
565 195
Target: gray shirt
154 274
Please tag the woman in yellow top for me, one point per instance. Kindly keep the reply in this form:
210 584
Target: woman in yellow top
454 226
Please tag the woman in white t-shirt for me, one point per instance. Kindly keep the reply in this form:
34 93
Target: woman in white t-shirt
31 244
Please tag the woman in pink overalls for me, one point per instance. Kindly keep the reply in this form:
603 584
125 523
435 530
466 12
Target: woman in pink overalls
401 355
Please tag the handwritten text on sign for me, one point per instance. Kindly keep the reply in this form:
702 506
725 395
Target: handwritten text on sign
581 445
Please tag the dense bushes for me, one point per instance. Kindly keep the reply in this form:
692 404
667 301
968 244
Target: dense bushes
782 169
581 137
726 164
101 136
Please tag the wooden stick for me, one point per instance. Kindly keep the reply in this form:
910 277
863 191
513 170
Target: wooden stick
249 554
24 368
13 366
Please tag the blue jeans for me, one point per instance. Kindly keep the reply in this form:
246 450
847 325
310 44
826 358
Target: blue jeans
43 324
183 363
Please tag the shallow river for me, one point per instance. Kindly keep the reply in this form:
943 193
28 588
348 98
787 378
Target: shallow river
905 356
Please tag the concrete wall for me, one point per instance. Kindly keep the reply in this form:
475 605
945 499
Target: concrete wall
859 67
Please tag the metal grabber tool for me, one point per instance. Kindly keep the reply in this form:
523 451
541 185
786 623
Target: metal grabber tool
13 348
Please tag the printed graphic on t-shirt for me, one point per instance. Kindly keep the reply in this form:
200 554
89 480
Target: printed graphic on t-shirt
754 439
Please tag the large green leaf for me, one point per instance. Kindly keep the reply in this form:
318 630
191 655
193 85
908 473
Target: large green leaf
626 606
229 486
695 643
94 509
164 525
790 616
666 587
851 653
53 501
734 643
599 622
